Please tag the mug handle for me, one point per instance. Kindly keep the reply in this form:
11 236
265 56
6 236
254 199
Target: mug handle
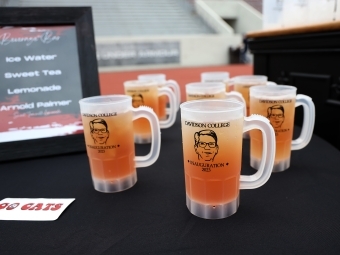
268 152
175 87
149 114
172 110
308 121
237 96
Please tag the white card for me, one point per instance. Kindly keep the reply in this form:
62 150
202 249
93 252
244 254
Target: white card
33 209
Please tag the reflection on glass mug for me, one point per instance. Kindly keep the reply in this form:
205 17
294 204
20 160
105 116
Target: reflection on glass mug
218 77
210 90
109 139
163 100
212 153
147 93
278 103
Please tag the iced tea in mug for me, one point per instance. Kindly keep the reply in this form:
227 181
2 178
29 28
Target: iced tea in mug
147 93
212 150
161 80
242 84
109 139
277 103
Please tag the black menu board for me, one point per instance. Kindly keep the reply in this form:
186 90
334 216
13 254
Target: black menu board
40 82
47 64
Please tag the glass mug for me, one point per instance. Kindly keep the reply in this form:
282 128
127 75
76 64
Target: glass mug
218 77
109 138
212 153
209 90
278 103
162 100
147 93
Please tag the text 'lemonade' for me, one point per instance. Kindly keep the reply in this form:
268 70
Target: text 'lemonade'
110 147
280 111
212 160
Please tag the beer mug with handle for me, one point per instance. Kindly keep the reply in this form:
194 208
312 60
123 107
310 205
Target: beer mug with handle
109 140
147 93
277 103
163 82
212 153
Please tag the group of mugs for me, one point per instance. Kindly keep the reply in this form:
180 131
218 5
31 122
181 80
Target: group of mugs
218 114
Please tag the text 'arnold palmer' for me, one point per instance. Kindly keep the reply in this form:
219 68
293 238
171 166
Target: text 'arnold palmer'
32 105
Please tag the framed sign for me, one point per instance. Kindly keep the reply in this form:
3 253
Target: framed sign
47 64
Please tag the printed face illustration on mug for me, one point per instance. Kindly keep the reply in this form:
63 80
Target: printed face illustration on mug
278 104
137 100
99 131
206 145
280 112
276 115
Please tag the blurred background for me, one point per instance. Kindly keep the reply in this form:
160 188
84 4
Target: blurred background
183 38
148 34
180 38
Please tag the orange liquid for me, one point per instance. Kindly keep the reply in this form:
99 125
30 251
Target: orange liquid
244 90
216 180
283 128
228 86
192 96
162 102
114 158
142 126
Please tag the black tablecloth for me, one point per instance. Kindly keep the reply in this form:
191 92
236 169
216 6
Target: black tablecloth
295 212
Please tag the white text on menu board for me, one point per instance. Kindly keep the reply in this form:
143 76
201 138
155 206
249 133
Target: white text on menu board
33 73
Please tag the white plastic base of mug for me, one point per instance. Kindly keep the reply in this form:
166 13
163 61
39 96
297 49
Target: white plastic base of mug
278 166
142 139
116 185
212 211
